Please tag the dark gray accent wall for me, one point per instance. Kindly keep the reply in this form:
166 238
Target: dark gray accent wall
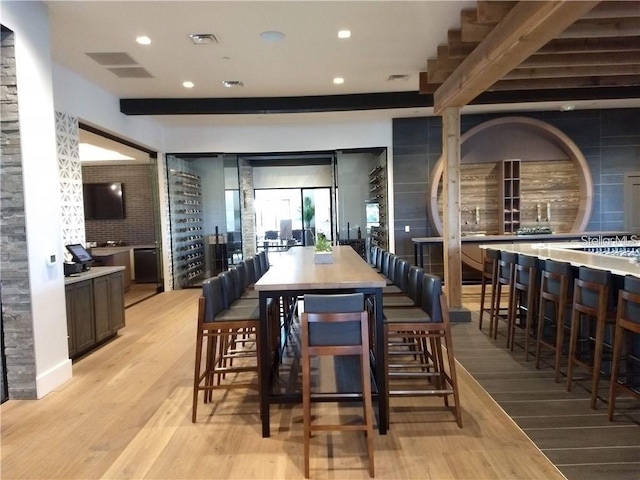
17 318
137 228
609 140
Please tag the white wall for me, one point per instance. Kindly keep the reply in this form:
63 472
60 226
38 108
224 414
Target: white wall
94 106
279 137
29 21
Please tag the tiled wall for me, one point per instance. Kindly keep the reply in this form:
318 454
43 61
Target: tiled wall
137 228
17 321
609 140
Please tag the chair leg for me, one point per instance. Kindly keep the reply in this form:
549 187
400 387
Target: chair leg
367 406
196 376
306 406
575 320
540 334
448 341
597 361
617 351
483 291
559 339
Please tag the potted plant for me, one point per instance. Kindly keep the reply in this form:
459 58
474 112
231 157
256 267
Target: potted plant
324 253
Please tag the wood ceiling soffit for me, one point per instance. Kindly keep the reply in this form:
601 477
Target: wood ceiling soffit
577 44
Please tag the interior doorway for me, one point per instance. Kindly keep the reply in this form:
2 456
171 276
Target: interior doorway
291 217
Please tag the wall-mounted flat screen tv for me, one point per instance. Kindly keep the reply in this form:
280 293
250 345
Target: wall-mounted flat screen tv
103 201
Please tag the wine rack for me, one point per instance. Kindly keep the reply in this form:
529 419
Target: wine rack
187 231
378 195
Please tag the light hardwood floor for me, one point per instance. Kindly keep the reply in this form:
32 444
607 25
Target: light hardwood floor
126 414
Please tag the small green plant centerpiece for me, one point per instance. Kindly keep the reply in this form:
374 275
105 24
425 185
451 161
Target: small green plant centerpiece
324 252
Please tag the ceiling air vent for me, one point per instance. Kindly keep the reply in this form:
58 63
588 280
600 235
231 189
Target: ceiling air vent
204 38
232 83
112 58
395 78
130 72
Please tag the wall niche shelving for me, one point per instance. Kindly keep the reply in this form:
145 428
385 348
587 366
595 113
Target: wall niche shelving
517 173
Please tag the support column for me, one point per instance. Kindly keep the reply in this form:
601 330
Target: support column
451 214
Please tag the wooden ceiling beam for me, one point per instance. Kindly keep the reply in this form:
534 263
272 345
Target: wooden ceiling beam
439 70
526 28
573 72
566 83
602 28
493 12
581 59
609 9
578 45
471 30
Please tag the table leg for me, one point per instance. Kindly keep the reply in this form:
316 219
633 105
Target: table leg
265 361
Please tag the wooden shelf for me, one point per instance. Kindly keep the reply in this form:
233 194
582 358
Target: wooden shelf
509 192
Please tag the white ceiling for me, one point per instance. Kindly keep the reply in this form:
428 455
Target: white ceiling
388 38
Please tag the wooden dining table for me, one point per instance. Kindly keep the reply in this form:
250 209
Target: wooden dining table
295 274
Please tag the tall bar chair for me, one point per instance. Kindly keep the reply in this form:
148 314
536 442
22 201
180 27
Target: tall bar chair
590 304
506 266
336 325
219 327
554 310
416 366
627 337
524 296
489 279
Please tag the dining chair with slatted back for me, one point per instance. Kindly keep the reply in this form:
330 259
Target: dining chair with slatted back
336 325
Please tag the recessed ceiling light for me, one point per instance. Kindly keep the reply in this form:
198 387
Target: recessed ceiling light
344 33
338 80
204 38
187 84
272 36
567 108
232 83
143 40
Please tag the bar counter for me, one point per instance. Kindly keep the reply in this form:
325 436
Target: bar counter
472 255
572 253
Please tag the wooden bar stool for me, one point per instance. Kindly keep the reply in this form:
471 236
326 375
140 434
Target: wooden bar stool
627 322
506 266
336 325
524 296
416 366
590 303
489 278
220 328
556 285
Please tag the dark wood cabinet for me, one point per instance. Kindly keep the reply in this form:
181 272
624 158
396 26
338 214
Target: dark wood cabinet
116 300
95 311
80 317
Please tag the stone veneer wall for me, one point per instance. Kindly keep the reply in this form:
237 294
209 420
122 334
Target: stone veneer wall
70 179
17 318
247 211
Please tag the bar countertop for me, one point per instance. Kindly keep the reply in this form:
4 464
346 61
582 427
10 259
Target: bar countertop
568 252
481 238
